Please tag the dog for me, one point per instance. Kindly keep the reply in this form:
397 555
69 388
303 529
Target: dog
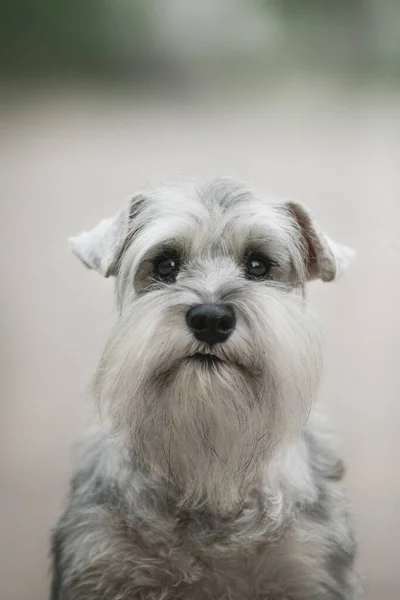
214 474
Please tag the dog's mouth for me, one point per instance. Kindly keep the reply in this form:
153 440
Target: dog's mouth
208 360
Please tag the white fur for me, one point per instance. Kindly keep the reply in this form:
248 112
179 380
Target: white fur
211 480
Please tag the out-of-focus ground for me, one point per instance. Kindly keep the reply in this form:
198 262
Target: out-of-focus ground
67 160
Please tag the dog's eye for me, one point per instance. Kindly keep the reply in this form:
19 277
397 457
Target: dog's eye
257 266
166 267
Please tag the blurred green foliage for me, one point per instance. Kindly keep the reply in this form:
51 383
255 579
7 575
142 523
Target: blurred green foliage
321 7
75 36
121 38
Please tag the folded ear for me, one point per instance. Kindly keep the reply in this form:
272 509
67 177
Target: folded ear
325 259
101 247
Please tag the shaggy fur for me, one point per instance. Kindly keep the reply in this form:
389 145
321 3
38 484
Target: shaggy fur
213 478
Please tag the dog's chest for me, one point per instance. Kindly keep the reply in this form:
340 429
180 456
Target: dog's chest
222 560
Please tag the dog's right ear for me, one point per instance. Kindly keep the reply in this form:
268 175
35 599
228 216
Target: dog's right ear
101 247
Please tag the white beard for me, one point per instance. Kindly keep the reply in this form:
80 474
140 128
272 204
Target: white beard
209 428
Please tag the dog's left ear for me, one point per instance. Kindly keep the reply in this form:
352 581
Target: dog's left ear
325 259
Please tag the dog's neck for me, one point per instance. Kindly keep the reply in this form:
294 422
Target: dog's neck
211 451
259 508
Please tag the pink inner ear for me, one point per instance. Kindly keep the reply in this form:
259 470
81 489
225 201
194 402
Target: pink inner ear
305 226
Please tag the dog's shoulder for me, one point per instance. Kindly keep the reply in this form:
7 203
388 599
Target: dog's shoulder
98 465
325 452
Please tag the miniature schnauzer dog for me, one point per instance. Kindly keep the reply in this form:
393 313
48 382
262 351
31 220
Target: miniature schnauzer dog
213 475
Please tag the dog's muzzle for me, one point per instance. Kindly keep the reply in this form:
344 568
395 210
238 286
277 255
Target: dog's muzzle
211 323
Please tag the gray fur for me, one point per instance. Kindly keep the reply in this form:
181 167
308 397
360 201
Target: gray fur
220 481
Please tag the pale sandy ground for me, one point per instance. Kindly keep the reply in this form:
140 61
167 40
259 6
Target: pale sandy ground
65 163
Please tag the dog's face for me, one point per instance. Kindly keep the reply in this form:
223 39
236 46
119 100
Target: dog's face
214 360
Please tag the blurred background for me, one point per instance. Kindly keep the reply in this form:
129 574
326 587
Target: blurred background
98 97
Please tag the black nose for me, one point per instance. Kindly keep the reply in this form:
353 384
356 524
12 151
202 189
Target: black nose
211 323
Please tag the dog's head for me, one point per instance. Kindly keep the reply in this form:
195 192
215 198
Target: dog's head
214 359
